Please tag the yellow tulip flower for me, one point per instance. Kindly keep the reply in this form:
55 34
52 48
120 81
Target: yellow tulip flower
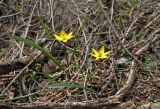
64 37
101 54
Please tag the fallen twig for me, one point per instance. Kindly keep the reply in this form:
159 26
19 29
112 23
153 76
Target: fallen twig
134 68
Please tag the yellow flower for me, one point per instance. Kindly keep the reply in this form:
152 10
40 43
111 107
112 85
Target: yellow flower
64 37
101 54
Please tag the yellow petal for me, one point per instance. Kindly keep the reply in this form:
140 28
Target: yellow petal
63 34
97 58
94 55
108 52
104 56
65 40
101 54
101 51
69 36
95 51
58 37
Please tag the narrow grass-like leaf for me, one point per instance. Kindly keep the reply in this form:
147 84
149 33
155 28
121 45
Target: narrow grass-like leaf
34 45
67 85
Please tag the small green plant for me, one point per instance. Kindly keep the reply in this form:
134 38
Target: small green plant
149 63
31 77
134 4
3 50
120 19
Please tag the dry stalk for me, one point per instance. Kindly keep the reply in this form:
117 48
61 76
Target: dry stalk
134 68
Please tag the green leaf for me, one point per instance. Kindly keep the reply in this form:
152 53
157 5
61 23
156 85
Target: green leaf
67 85
44 51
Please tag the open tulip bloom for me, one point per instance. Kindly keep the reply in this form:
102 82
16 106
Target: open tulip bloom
101 54
64 37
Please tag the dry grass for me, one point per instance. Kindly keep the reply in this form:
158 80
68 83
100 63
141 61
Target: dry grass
122 28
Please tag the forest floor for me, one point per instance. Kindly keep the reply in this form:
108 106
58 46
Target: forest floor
38 71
